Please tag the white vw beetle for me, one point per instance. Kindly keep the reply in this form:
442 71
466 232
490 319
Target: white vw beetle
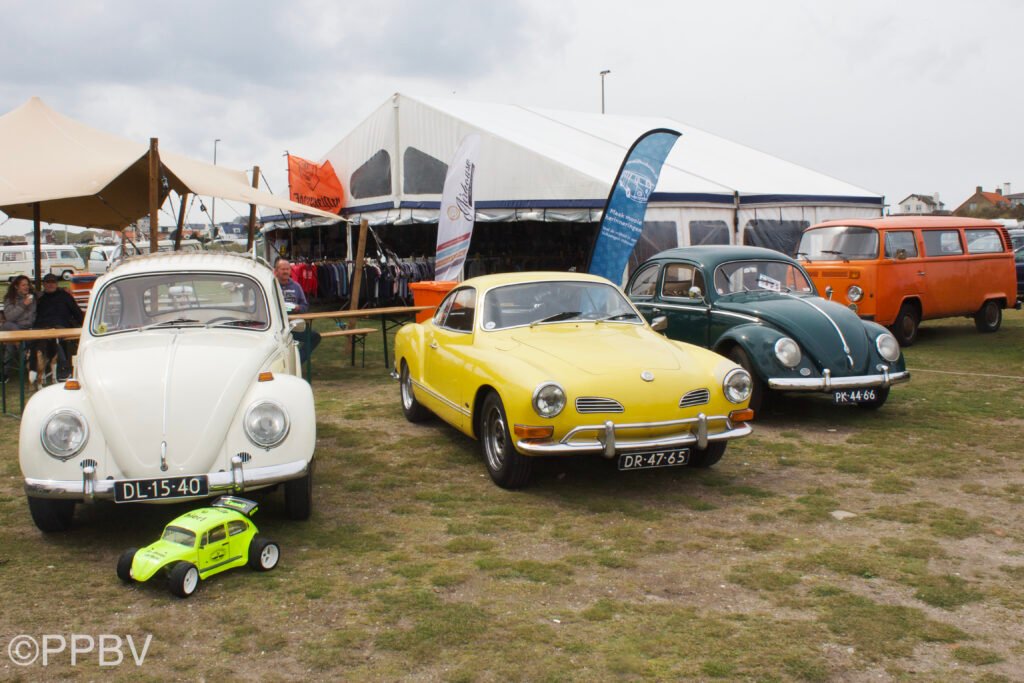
187 385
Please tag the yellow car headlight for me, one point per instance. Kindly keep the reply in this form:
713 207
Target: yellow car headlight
738 385
548 399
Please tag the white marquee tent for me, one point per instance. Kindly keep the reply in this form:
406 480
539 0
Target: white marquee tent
558 166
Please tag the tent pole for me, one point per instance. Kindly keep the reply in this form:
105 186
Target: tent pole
37 232
357 273
154 196
252 210
181 222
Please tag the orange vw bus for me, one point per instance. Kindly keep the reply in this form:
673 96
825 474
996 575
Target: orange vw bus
899 271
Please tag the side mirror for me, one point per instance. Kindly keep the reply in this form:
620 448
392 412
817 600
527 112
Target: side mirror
297 325
901 254
659 324
695 293
828 292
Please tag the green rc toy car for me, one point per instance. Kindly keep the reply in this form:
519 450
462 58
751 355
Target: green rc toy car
202 543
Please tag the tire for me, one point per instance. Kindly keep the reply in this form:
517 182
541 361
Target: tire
508 468
183 579
882 394
905 327
411 408
264 554
758 391
51 515
989 317
298 496
66 275
124 564
709 456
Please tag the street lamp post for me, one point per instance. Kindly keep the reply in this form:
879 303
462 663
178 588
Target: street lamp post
213 209
603 74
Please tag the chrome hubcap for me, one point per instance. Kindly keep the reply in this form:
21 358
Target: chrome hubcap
495 439
406 388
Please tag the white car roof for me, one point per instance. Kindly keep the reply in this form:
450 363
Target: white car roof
215 261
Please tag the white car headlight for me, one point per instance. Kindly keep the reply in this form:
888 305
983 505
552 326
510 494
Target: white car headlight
738 385
888 347
854 293
548 399
64 434
788 352
266 424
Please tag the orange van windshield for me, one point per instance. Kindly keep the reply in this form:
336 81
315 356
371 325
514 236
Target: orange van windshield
839 243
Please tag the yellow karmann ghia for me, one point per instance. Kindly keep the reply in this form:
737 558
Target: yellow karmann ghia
551 364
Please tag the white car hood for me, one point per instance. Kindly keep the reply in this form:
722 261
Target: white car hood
181 388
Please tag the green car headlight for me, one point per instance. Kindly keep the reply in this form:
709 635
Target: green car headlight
548 399
788 352
266 424
854 293
888 347
64 434
737 385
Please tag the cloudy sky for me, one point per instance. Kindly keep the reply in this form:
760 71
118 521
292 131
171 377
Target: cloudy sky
896 96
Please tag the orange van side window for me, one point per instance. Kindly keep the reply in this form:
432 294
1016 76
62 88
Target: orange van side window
900 239
942 243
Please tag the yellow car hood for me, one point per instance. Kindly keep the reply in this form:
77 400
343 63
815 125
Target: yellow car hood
595 348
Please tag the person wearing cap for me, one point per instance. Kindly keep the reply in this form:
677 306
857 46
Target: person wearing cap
56 308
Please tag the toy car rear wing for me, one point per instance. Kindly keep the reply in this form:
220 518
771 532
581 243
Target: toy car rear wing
244 505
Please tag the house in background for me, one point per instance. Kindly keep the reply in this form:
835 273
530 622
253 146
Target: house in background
921 204
981 200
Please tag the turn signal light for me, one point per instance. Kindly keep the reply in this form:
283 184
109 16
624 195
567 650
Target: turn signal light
72 385
741 415
266 377
528 432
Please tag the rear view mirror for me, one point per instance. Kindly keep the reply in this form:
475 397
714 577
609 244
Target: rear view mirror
828 292
695 293
901 254
659 324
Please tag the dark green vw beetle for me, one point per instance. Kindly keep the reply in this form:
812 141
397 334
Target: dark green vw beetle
759 308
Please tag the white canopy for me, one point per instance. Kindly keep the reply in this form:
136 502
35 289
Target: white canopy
87 177
539 164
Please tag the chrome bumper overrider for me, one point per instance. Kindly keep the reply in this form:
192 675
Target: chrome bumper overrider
830 383
239 478
607 438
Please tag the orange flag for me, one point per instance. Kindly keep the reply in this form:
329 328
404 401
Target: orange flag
314 185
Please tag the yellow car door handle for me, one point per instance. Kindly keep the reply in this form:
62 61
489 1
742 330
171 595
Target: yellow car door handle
433 344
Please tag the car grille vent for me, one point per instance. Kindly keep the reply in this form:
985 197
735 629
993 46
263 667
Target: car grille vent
88 462
244 457
594 404
697 397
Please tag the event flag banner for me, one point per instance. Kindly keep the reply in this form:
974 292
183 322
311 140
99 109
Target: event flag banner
315 185
623 219
458 210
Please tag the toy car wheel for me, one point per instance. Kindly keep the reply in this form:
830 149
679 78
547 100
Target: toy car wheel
124 564
264 554
989 317
183 579
411 408
298 496
51 515
905 326
758 391
709 456
508 468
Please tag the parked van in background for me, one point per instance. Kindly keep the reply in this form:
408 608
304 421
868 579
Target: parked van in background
60 259
102 257
899 271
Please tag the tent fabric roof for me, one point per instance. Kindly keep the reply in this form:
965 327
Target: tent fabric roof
84 176
540 157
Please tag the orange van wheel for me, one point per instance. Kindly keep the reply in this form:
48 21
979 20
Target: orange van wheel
989 317
904 328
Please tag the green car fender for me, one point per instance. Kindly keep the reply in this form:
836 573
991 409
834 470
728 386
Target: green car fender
758 342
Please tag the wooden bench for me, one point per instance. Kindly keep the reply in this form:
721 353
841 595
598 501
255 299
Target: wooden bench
358 337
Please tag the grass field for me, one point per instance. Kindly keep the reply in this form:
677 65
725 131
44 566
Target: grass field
416 567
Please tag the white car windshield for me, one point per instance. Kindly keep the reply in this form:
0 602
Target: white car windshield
755 276
536 303
173 299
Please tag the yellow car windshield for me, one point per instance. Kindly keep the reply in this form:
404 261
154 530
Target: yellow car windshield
534 303
175 534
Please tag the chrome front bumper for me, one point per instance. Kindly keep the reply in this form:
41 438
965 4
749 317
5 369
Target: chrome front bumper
239 478
829 383
607 438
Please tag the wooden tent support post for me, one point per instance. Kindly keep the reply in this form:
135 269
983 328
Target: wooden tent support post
252 210
181 222
154 196
357 274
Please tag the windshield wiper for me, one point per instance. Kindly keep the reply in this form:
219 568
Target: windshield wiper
247 322
169 323
806 256
564 315
617 316
836 253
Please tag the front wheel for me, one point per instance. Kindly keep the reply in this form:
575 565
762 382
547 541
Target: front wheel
264 554
51 515
989 317
709 456
298 496
411 408
183 579
124 564
508 468
758 390
881 396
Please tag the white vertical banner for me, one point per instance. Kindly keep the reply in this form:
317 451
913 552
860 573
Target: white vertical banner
458 210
